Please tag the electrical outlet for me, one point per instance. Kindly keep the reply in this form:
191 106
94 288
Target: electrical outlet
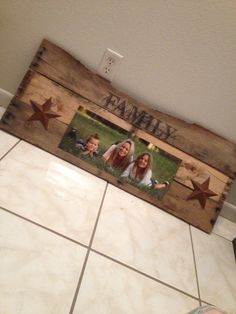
109 64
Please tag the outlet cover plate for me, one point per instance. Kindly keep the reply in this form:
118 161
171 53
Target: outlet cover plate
109 64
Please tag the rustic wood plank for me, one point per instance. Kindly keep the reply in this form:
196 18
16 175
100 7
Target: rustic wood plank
174 202
61 67
58 75
40 88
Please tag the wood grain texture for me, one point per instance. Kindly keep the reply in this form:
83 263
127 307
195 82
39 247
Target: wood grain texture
40 88
59 66
174 202
55 74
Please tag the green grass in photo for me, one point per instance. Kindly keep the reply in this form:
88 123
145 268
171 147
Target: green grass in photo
164 168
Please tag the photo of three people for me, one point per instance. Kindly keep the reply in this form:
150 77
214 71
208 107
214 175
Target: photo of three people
125 156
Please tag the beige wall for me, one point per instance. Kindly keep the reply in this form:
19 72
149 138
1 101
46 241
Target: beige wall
180 55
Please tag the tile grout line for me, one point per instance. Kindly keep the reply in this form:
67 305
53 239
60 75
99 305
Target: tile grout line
221 236
95 251
43 227
87 254
144 274
101 254
19 140
195 265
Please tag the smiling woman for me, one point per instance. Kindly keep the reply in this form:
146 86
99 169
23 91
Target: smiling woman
140 170
120 155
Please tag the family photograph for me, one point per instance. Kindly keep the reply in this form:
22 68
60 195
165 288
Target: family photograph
120 153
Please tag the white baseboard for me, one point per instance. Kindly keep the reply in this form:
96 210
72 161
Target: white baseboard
2 110
5 98
228 211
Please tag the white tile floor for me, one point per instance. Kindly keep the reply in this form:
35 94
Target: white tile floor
71 243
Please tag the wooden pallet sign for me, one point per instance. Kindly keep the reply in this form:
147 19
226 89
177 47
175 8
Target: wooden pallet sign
65 109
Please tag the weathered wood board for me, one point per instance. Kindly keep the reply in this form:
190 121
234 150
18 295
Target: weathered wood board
41 88
57 75
59 66
14 121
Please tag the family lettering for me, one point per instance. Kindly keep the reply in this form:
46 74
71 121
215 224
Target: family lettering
139 118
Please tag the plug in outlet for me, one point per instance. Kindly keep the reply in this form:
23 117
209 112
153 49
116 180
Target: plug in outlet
109 64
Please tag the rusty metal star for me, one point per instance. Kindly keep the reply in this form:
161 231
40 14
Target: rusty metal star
201 192
43 112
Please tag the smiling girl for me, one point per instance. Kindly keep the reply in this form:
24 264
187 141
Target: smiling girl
120 155
140 171
91 145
